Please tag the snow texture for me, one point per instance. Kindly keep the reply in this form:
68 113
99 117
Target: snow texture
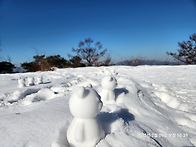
154 106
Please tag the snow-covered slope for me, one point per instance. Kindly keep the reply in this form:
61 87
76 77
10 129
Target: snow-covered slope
154 106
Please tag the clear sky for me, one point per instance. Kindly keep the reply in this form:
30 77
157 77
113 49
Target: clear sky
128 28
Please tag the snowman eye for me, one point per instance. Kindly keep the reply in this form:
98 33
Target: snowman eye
111 79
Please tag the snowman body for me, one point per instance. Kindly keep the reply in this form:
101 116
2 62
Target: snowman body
109 84
38 80
29 81
84 130
21 83
84 133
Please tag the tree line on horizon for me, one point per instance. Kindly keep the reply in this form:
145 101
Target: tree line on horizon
91 53
87 53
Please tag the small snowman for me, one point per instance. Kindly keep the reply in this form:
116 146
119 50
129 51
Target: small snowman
29 81
108 83
84 130
21 82
38 80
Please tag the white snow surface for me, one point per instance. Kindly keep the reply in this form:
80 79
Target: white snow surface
154 106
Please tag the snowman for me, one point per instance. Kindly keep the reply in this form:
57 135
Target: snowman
108 84
84 130
38 80
21 82
29 81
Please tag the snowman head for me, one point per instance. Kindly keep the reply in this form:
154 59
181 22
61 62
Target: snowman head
85 103
109 82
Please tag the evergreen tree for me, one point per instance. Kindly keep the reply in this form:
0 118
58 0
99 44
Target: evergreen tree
187 51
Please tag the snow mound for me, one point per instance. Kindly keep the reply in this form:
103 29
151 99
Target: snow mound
45 94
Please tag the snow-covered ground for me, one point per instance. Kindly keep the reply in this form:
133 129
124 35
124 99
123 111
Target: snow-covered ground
154 106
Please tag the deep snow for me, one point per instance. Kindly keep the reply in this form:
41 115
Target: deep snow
154 106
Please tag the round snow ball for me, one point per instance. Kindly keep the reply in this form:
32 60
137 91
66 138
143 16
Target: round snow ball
45 93
26 102
15 96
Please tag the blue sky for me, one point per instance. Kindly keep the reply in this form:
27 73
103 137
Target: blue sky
128 28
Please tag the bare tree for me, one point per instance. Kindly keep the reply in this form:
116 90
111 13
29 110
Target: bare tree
187 51
90 52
